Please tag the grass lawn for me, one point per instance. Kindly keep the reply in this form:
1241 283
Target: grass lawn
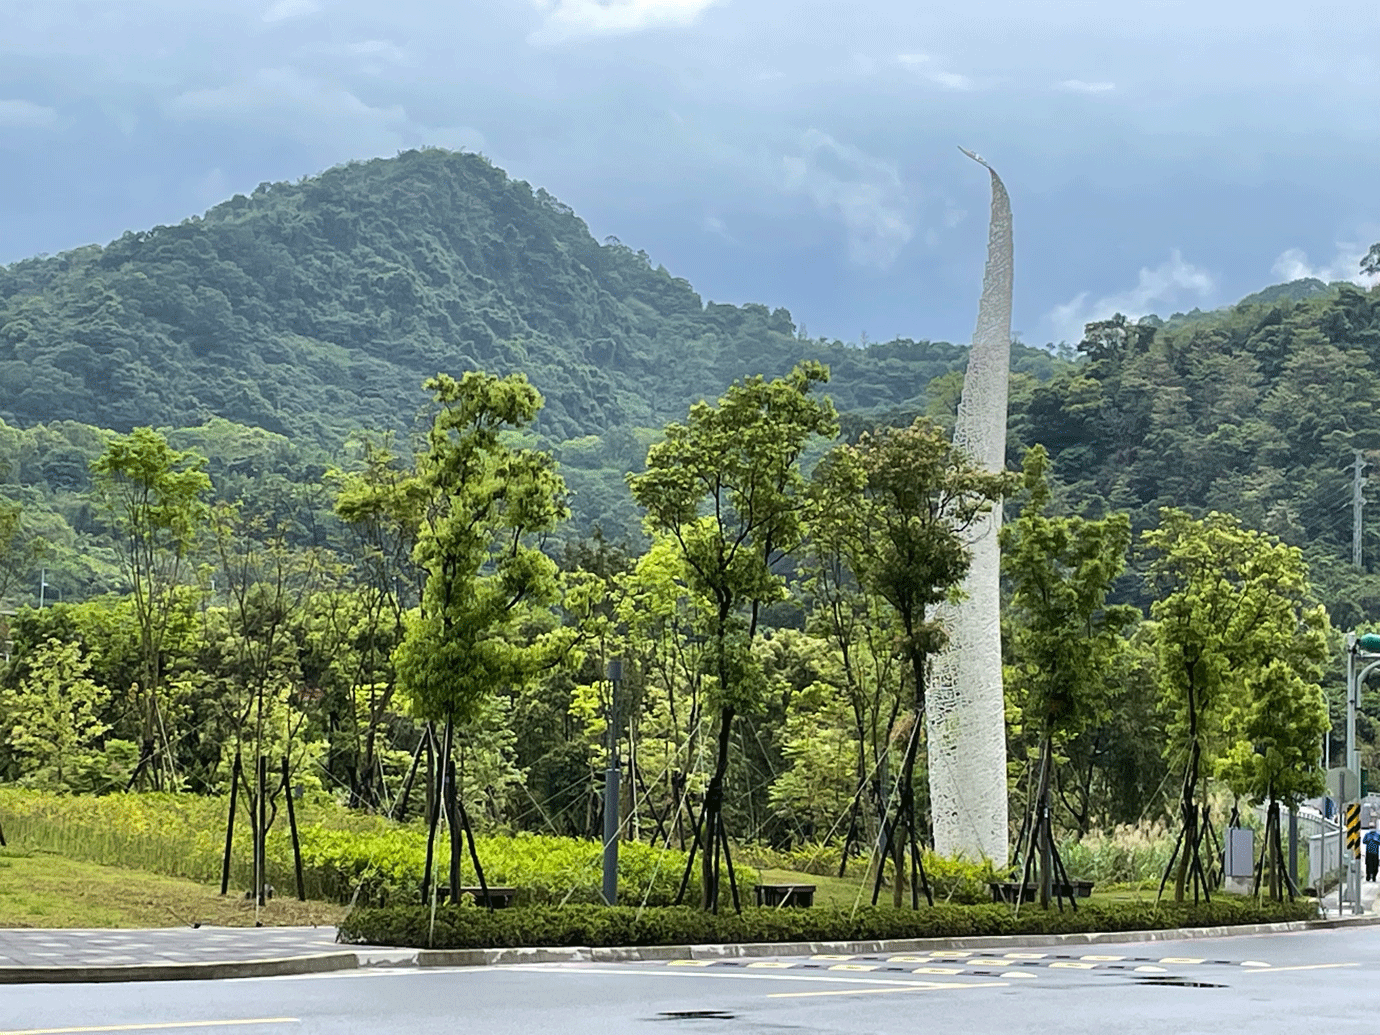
44 890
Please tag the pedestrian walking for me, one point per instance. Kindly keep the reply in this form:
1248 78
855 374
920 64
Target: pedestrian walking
1372 843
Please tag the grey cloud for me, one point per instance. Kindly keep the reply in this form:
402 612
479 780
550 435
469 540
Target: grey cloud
863 193
285 101
22 114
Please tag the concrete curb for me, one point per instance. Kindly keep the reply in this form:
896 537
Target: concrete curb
661 953
210 971
371 957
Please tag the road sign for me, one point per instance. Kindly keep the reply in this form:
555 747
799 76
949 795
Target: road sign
1343 784
1353 828
1369 643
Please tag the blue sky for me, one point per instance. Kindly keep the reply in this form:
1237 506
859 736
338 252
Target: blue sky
1160 155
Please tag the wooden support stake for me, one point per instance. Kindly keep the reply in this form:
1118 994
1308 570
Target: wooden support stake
292 826
229 824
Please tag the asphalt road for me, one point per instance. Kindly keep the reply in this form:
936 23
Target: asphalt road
1321 981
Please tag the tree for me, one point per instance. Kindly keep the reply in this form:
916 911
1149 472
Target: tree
1370 262
482 503
1230 604
1064 638
19 548
906 496
154 496
726 487
1275 731
53 718
380 505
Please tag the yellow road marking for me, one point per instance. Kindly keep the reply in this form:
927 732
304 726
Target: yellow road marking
1026 955
1103 959
159 1026
772 965
854 966
937 970
950 955
1180 959
1072 966
1018 974
1271 970
909 959
912 986
690 963
831 956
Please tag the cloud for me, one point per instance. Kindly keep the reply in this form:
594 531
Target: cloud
1170 286
285 101
716 226
211 188
1082 86
1293 264
567 19
925 66
286 9
26 114
454 138
864 193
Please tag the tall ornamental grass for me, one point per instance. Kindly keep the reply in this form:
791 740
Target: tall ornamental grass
346 856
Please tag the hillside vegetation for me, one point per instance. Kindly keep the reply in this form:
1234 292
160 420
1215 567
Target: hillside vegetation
278 325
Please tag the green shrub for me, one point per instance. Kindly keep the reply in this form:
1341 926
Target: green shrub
466 927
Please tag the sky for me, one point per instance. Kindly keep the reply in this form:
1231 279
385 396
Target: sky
1160 155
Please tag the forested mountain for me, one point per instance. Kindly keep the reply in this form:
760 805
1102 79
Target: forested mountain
1257 411
279 324
315 309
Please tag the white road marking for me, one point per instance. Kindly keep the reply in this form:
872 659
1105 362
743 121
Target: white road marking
154 1026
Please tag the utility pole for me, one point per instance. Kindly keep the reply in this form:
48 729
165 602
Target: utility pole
1358 502
611 775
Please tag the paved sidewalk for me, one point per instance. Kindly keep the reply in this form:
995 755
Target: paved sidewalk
21 947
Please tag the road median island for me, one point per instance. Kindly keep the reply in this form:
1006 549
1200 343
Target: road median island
623 928
211 970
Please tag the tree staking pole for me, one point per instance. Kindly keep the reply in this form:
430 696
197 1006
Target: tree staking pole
611 777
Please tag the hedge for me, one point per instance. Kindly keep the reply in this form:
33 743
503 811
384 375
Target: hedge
468 927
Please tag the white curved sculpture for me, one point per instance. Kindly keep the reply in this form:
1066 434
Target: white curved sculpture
965 710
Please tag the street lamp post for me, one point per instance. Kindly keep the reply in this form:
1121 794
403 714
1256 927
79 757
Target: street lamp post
611 775
1358 648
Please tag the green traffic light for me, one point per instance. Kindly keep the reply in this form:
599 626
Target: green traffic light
1370 643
